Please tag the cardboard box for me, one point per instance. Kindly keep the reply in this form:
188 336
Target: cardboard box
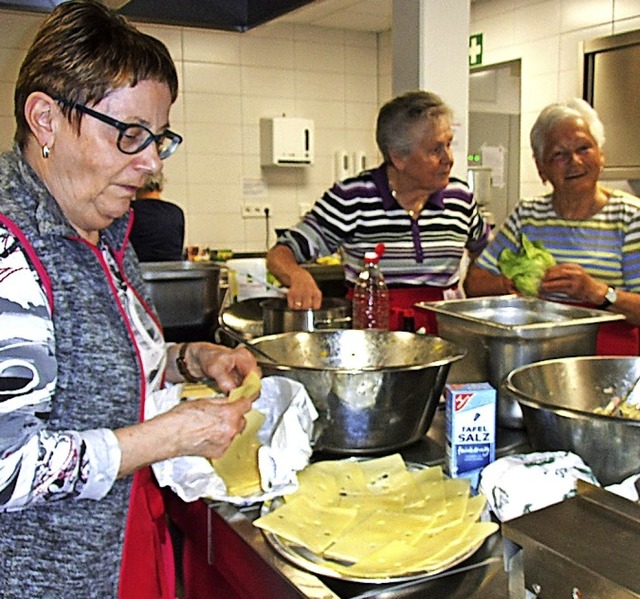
470 429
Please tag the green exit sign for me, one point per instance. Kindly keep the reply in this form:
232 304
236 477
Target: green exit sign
475 49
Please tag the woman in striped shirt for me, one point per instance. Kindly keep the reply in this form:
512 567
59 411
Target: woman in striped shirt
425 219
592 232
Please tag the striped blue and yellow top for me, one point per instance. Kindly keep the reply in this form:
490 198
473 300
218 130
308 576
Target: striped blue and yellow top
606 245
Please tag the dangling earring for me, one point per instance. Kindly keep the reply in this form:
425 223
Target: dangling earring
45 151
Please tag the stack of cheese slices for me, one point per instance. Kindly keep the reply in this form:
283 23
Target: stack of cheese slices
377 518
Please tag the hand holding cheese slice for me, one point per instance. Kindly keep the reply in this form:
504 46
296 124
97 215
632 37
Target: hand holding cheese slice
238 467
250 387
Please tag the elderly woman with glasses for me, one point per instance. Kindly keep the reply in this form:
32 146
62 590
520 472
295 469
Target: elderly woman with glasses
81 349
592 231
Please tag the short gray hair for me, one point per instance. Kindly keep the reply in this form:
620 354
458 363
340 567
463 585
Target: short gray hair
397 120
552 114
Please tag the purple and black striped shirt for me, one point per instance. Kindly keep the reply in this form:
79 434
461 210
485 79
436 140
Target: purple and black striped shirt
356 214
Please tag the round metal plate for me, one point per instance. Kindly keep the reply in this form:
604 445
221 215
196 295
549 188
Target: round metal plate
307 560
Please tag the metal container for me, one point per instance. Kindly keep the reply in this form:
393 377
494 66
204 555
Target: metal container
505 332
185 295
558 398
375 391
579 547
334 313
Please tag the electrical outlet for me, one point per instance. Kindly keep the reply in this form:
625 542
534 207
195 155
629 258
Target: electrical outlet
256 210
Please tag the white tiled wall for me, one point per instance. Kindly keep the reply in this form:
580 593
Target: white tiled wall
338 79
227 82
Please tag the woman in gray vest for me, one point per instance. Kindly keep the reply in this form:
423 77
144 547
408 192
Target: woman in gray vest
80 347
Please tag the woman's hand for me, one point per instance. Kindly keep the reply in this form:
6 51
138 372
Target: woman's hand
200 427
228 367
479 282
304 293
205 427
573 281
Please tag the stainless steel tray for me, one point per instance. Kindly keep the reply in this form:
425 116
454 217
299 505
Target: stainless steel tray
515 316
508 331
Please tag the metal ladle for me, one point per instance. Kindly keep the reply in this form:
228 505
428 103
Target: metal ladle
252 348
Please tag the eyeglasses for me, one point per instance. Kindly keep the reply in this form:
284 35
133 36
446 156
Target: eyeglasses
133 138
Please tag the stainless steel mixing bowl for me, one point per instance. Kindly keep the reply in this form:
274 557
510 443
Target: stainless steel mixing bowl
375 391
558 398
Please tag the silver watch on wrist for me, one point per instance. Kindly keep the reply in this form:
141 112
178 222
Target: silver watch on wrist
610 297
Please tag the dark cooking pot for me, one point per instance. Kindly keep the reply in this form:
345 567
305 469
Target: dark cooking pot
334 313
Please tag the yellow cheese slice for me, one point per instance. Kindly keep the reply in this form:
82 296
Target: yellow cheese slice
382 474
353 545
347 473
458 487
433 498
250 387
317 485
238 466
198 390
459 545
371 502
309 524
475 506
429 553
458 510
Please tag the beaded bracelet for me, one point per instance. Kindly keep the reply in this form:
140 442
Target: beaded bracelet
183 369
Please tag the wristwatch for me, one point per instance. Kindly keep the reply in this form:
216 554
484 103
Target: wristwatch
183 369
610 297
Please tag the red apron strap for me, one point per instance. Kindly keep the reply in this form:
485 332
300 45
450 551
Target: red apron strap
147 570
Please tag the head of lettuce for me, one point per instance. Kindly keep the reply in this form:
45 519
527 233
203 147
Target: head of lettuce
527 267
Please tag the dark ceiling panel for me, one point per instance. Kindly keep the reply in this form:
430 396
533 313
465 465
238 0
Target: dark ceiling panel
229 15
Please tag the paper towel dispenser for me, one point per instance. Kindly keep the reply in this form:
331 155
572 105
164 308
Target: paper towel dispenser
286 141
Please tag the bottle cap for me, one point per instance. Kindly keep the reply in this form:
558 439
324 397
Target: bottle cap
371 258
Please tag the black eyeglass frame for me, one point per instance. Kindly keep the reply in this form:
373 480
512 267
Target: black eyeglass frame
176 139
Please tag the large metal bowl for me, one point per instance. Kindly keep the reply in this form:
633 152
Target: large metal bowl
558 397
375 391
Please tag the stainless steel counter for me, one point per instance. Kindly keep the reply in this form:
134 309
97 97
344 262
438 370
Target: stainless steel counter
480 577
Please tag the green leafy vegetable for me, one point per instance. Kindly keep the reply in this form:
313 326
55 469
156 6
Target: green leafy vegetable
527 267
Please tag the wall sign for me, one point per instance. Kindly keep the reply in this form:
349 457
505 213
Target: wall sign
475 49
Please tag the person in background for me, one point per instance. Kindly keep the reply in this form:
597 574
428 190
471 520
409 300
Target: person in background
410 203
81 349
157 233
593 232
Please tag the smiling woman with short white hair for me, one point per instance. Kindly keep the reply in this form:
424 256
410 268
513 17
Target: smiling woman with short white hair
593 232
